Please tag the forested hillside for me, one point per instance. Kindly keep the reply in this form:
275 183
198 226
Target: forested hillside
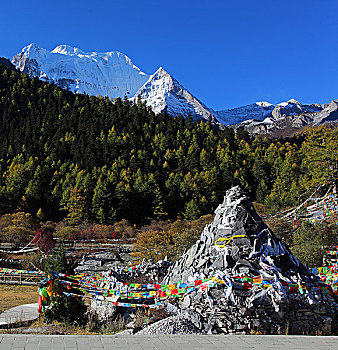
79 157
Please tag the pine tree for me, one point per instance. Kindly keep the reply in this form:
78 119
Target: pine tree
74 205
158 206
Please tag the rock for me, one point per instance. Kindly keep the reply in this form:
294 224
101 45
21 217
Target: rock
249 249
189 259
171 309
244 306
219 263
185 303
201 263
170 325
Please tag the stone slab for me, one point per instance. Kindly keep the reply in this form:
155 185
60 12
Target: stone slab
21 313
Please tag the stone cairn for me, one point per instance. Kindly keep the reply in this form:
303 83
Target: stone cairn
238 244
112 277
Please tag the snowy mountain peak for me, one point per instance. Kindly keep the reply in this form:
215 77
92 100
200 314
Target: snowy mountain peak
162 91
111 74
257 111
114 57
67 50
295 102
31 48
32 51
263 104
161 71
292 101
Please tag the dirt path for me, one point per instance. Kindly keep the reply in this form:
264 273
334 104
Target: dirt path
14 295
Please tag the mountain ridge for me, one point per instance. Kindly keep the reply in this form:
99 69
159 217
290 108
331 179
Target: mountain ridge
173 96
113 74
108 74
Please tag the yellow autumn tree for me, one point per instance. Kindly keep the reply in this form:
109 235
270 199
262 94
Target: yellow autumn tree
320 150
155 244
18 228
74 204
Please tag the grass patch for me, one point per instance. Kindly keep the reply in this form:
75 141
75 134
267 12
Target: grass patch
14 295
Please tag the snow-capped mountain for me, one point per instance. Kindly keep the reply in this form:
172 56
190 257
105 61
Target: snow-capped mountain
163 91
291 116
114 75
109 74
258 111
294 107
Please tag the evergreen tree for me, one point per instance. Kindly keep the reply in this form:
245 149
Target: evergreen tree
74 205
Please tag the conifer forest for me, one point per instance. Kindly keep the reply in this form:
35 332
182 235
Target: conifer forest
75 157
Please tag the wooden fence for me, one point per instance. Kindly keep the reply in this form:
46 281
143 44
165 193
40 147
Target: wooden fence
20 278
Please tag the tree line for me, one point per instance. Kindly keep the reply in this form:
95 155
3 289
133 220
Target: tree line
84 158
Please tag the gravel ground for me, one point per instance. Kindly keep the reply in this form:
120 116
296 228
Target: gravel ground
170 325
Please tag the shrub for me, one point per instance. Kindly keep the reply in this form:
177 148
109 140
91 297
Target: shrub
68 310
17 228
44 239
186 233
155 244
309 240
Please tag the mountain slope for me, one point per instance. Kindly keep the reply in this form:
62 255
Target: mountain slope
6 62
114 75
109 74
106 73
258 110
288 117
163 91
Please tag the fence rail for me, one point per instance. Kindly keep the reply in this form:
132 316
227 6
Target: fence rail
89 245
123 247
20 278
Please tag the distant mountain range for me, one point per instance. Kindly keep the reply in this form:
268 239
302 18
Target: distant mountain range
283 119
109 74
114 75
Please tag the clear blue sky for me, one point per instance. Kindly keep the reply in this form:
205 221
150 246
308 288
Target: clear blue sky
226 52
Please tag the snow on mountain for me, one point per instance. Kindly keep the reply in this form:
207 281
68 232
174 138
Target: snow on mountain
288 117
265 112
106 73
109 74
294 107
327 114
282 119
113 74
263 104
258 111
163 91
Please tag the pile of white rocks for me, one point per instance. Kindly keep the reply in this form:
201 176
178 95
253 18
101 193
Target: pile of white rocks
102 261
170 325
146 272
238 244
